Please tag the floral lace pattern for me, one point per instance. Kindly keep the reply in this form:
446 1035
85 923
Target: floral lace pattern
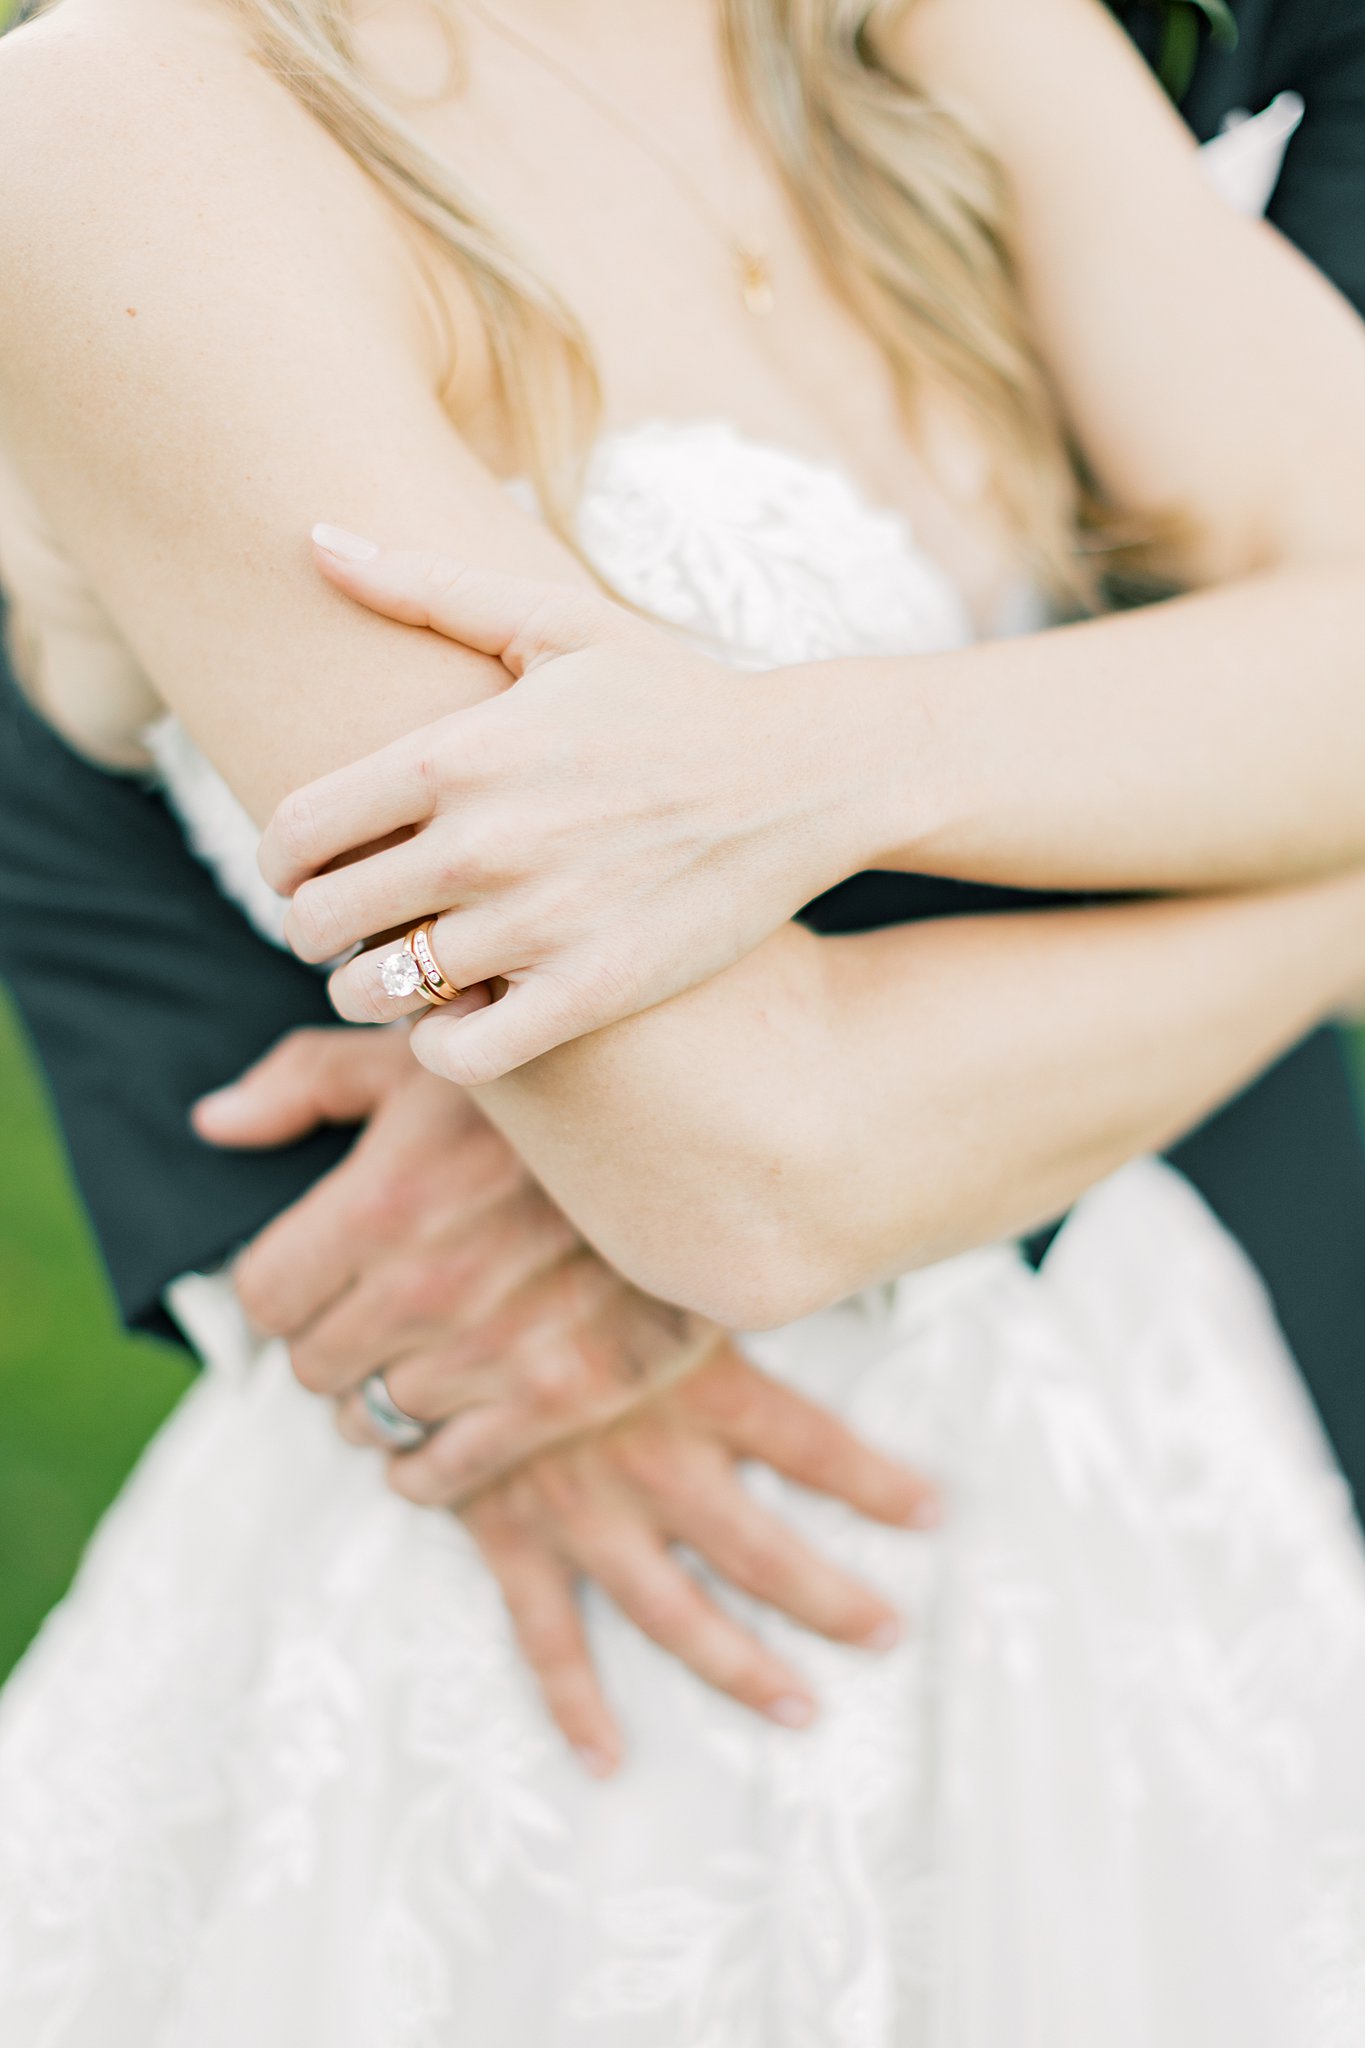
274 1773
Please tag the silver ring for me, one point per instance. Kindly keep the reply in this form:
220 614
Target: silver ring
399 1430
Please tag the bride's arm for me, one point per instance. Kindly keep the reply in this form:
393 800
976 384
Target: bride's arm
1214 381
1208 372
211 327
199 354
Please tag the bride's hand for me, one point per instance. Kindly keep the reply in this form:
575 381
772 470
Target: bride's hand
623 821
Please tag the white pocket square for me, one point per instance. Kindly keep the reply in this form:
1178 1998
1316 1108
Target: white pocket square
1244 162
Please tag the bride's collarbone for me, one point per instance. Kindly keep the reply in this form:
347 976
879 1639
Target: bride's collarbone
656 288
653 285
643 244
671 339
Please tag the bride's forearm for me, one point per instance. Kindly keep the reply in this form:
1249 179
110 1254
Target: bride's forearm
1219 740
840 1110
1215 741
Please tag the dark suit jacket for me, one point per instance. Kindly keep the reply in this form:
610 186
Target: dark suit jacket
142 988
1317 49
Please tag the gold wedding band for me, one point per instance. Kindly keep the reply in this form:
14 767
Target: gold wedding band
435 985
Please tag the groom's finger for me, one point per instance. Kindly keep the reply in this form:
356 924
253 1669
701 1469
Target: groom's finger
758 1553
449 1308
328 1074
473 1450
632 1563
760 1418
538 1589
306 1259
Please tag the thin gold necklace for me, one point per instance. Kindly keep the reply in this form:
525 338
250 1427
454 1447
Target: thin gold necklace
752 266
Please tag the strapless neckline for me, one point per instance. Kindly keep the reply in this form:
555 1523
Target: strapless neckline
701 488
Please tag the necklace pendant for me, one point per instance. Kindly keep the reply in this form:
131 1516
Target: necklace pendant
755 282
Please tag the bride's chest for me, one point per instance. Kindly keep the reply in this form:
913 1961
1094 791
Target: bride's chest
646 232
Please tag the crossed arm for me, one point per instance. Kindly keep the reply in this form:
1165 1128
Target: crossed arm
819 1112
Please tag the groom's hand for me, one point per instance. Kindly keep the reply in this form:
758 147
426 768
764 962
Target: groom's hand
431 1255
611 1508
606 1503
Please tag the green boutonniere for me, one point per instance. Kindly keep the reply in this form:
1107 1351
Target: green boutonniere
1182 21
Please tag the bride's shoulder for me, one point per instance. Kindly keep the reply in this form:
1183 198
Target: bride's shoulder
144 131
153 174
84 73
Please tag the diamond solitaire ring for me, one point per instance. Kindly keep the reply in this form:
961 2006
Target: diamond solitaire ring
400 974
413 970
392 1424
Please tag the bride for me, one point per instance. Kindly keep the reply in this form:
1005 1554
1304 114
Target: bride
806 361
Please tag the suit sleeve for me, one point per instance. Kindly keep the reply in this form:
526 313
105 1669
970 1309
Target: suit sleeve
140 987
1320 203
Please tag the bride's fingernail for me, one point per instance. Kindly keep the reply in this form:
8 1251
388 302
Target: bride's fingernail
347 547
595 1762
884 1637
927 1513
791 1711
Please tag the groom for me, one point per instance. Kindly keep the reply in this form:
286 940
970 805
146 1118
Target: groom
142 988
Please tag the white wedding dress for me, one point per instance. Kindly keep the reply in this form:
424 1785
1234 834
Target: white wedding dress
274 1773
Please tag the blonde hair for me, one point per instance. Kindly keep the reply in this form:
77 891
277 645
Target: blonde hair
908 213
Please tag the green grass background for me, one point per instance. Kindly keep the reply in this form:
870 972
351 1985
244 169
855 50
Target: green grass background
78 1399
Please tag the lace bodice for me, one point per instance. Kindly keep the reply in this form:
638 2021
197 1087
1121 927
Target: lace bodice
759 554
771 556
